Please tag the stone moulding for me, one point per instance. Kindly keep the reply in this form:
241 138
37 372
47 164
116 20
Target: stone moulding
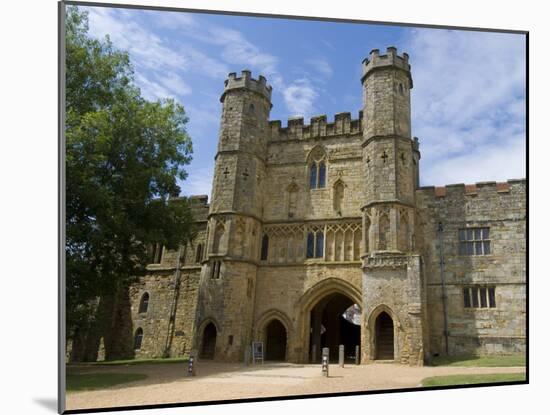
386 262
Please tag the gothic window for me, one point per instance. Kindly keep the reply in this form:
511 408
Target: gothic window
144 303
474 241
401 92
322 175
315 244
338 196
383 231
313 176
319 244
218 235
138 338
310 245
156 253
317 168
265 248
198 254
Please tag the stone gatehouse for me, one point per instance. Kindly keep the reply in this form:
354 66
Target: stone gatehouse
319 235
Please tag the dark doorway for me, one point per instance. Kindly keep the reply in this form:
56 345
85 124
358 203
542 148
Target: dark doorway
384 337
332 326
208 342
275 347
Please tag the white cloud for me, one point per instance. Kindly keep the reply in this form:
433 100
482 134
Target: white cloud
300 97
321 65
468 104
198 182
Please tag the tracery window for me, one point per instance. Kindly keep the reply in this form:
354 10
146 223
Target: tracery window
317 168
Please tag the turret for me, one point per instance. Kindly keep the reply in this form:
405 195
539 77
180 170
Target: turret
389 155
244 131
228 278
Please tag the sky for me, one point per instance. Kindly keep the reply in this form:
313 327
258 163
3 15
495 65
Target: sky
467 103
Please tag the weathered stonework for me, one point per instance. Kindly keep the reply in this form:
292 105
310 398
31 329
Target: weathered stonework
374 235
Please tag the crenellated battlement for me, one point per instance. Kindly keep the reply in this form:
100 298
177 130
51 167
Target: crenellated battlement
473 190
318 127
375 61
245 81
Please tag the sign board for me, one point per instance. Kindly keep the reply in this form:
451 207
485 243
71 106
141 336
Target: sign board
324 361
257 352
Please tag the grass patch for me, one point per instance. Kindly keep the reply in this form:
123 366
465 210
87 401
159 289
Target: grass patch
480 361
132 362
472 379
94 381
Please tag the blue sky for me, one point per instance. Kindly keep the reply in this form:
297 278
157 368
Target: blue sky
468 100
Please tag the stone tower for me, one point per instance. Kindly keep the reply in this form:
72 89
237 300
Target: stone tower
392 289
226 292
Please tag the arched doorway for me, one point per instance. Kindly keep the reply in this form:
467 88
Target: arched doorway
275 344
384 337
208 342
334 320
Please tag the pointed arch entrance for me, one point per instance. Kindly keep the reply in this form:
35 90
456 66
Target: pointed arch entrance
334 321
208 345
275 341
384 337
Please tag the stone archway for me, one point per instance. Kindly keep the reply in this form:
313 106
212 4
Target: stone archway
329 327
383 337
275 341
342 295
208 343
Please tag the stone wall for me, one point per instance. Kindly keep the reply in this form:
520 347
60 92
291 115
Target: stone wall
501 208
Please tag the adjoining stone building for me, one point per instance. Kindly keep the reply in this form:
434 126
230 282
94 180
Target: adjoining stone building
310 222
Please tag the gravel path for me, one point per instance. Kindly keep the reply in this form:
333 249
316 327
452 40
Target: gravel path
168 383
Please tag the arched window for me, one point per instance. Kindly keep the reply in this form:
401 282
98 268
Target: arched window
319 244
138 337
313 176
401 89
198 256
322 175
310 245
144 303
265 248
218 236
317 168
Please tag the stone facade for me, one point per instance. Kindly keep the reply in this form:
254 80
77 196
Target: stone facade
308 220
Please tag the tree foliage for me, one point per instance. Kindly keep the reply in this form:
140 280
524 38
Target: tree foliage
124 155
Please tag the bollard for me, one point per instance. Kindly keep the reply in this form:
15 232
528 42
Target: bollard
247 355
324 361
357 357
341 356
191 365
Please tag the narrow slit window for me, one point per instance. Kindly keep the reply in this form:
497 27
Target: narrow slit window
322 175
467 302
313 176
319 244
310 242
265 248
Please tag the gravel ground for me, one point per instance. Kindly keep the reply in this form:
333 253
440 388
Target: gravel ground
168 383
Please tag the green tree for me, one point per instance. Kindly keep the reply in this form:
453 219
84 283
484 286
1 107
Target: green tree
124 155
